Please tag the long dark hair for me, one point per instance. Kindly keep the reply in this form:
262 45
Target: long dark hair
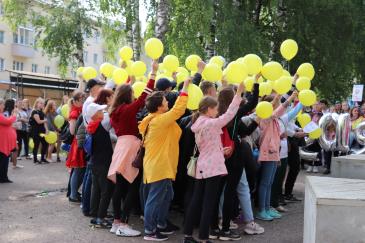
103 94
123 95
205 103
225 98
9 106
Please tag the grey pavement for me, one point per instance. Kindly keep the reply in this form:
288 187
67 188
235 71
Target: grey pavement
35 209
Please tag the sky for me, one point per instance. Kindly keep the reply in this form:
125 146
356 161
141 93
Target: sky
142 15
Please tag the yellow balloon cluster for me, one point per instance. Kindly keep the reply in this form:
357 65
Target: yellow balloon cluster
264 89
264 110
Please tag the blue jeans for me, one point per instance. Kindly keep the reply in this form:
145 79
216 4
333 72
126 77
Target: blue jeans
86 190
76 179
268 169
157 197
244 196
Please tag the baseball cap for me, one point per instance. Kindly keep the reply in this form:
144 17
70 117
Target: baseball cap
92 82
163 84
93 108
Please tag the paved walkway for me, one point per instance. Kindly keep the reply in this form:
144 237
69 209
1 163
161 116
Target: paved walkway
28 215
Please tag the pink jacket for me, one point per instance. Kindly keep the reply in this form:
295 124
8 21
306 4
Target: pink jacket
270 136
8 134
208 139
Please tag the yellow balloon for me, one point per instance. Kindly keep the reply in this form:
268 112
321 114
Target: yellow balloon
65 111
59 121
31 143
289 49
142 79
286 73
253 63
303 83
283 85
195 96
128 68
107 69
126 53
307 97
249 81
315 134
218 60
181 77
171 63
306 70
51 138
138 68
191 62
264 89
264 109
304 119
89 73
272 70
212 72
270 83
138 88
79 70
120 76
153 48
236 72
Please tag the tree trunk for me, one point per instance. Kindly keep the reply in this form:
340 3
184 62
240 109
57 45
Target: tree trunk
258 7
136 31
162 19
280 25
210 44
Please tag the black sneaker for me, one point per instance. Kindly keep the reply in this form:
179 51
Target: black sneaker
291 198
155 237
326 172
165 231
190 239
229 235
282 201
74 200
100 223
214 234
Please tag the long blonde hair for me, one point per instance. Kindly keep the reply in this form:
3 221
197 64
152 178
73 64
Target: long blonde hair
36 102
50 107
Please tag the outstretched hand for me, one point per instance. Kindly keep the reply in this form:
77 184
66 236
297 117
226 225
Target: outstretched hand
240 89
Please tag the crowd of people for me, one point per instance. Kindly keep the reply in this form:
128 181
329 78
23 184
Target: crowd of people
220 164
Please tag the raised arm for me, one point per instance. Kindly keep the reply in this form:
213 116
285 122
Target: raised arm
251 102
198 75
294 112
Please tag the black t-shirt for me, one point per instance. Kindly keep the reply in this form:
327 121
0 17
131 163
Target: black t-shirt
37 128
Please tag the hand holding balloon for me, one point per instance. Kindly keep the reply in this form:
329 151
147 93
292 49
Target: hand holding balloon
240 89
154 67
201 66
186 84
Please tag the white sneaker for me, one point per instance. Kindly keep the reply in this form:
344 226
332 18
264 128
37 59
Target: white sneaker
309 169
253 229
127 231
232 225
315 169
281 209
114 228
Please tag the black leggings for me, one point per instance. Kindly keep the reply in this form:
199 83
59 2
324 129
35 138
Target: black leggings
203 203
37 140
4 164
22 136
129 193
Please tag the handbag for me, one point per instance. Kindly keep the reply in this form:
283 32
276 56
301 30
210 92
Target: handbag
88 144
191 167
138 161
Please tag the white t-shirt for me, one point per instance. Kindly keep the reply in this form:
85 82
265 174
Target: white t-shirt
87 102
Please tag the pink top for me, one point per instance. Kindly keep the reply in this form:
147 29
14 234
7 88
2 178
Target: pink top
8 134
208 139
270 136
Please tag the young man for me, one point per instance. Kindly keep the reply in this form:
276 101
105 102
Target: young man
161 143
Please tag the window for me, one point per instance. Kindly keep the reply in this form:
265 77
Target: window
97 36
85 56
34 68
2 64
95 58
23 36
47 69
1 36
19 66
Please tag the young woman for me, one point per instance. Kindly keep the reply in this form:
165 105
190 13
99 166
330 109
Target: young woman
345 107
356 118
22 131
127 178
210 165
50 113
101 156
269 157
76 157
38 124
7 142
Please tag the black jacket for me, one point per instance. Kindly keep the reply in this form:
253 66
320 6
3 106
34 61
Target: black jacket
102 149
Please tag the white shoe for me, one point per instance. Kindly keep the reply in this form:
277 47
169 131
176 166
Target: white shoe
232 225
18 166
253 229
315 169
125 230
281 209
114 228
309 169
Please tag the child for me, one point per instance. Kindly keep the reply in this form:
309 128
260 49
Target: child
210 165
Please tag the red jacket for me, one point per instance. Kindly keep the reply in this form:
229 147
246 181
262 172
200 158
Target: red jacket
123 118
8 134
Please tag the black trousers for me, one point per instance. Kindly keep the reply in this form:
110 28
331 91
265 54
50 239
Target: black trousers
130 195
101 191
205 198
294 168
22 136
4 165
39 140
